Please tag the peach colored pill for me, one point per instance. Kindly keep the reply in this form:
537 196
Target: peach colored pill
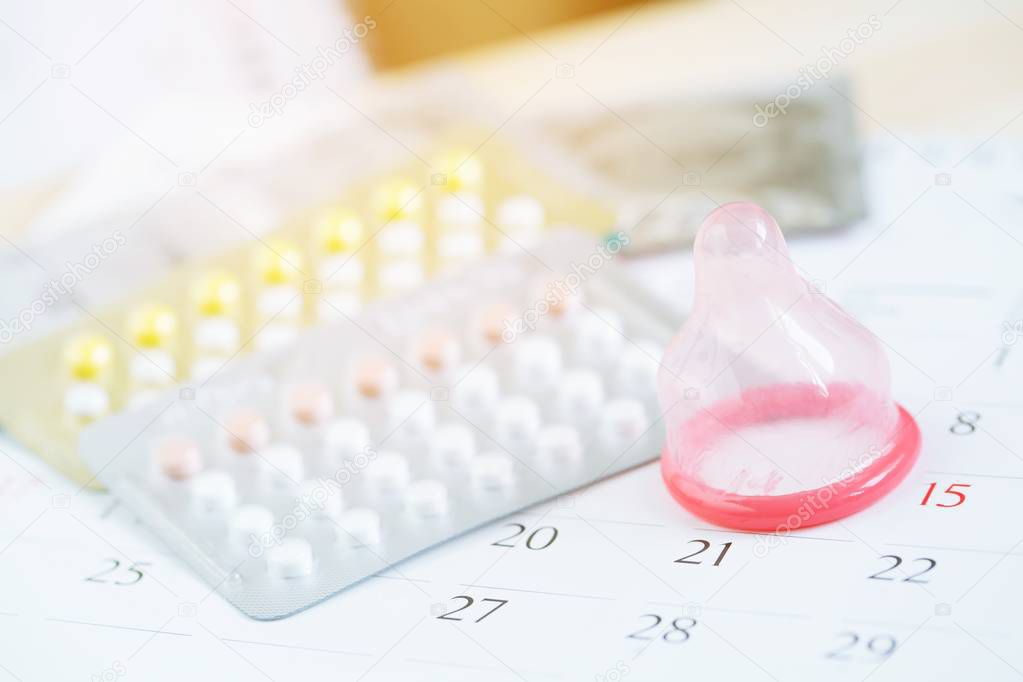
562 306
494 321
310 403
179 457
437 350
247 431
375 377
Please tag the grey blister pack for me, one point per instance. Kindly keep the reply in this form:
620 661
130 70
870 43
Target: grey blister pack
291 474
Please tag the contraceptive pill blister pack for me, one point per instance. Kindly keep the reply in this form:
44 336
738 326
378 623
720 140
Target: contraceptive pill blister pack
140 327
295 473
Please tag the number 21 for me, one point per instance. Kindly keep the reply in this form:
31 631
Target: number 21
705 545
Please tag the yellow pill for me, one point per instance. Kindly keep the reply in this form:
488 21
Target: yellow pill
279 263
396 200
153 325
216 294
88 357
460 171
338 231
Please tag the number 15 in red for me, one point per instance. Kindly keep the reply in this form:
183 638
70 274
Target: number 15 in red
953 492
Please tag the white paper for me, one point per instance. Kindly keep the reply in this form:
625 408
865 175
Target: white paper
87 593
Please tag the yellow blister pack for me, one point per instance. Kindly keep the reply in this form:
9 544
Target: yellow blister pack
380 237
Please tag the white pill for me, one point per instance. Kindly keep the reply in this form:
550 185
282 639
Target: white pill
142 397
520 221
293 558
206 366
281 465
465 210
277 334
599 338
637 369
389 473
213 492
520 211
537 362
86 400
360 526
580 396
281 302
216 335
153 367
250 525
515 240
427 498
493 470
411 413
401 276
477 390
403 239
321 498
343 271
460 247
559 443
517 420
452 446
346 437
624 421
335 303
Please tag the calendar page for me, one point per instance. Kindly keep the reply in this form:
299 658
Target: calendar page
616 581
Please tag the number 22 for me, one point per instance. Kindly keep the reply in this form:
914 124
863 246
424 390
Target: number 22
915 578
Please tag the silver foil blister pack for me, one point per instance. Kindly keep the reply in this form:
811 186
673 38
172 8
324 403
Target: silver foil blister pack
294 473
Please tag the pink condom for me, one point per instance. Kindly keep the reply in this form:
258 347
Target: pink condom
777 403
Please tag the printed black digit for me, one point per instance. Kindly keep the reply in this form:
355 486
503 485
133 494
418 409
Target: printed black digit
136 574
842 652
551 534
499 602
503 541
880 575
965 423
915 578
450 614
98 577
679 633
688 558
639 634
